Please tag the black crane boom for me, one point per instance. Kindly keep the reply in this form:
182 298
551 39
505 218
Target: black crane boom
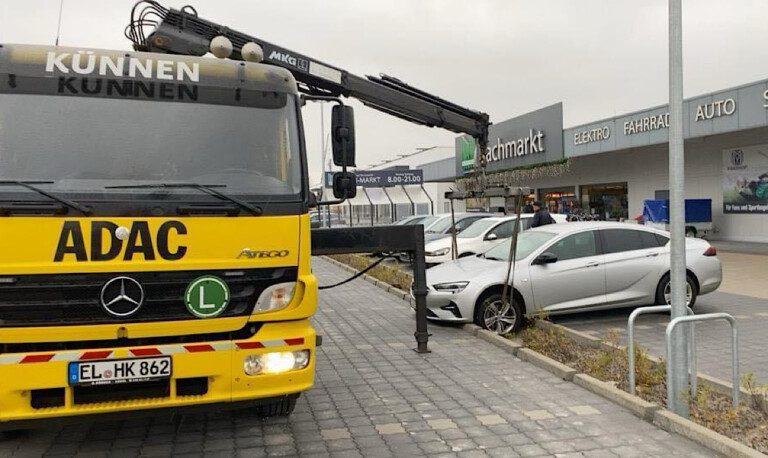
184 32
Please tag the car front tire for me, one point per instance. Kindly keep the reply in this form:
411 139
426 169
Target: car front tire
488 314
663 290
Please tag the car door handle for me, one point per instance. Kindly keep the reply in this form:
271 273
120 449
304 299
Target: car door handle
592 264
650 255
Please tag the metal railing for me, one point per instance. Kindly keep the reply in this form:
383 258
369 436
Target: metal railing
734 351
631 341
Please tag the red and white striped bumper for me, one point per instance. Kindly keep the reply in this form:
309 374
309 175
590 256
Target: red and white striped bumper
221 363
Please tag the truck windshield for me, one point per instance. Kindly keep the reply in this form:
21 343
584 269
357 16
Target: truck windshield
88 147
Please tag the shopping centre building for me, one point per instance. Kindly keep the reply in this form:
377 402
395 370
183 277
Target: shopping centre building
609 167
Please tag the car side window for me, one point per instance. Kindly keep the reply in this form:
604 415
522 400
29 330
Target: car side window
574 246
463 224
663 240
525 223
650 240
503 230
620 240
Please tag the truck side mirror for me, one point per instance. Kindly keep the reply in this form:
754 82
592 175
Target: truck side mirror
343 136
344 185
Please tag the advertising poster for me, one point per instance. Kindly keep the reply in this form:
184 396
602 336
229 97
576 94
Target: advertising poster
745 180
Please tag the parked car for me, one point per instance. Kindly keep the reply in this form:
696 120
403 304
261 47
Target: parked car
478 237
410 220
442 227
563 268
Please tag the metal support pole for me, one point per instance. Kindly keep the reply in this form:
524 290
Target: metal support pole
431 202
678 372
413 205
420 289
370 202
734 350
631 343
391 204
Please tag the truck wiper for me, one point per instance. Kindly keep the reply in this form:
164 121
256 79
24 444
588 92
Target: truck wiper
208 189
29 185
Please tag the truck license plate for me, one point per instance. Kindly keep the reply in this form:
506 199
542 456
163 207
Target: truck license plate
119 371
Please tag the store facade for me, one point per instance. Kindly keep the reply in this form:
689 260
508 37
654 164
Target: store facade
614 164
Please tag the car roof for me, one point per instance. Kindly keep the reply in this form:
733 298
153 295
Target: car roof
577 226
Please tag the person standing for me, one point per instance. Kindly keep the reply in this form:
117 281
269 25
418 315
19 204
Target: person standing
541 216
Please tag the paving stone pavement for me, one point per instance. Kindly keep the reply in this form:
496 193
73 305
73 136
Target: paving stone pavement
376 397
713 339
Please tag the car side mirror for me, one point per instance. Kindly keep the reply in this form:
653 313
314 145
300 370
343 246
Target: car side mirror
344 185
343 135
312 200
491 237
545 258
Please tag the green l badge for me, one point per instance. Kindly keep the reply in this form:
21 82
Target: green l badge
207 296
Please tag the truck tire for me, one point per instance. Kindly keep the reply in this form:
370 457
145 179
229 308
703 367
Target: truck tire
279 408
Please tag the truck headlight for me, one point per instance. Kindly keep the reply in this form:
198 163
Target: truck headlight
275 362
453 287
275 297
440 252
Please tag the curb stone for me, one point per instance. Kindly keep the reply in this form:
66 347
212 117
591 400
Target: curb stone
537 359
636 405
706 437
510 346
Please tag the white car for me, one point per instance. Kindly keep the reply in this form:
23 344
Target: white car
480 236
564 268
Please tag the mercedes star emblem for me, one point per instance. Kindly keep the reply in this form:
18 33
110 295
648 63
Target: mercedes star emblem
122 297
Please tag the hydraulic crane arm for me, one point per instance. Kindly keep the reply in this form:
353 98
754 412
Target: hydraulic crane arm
184 32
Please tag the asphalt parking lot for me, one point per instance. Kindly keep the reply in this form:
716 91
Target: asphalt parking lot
376 397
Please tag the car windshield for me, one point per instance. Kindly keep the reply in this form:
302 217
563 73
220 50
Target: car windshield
441 225
477 228
527 243
426 222
83 147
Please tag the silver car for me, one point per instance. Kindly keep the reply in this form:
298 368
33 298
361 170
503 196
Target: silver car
567 268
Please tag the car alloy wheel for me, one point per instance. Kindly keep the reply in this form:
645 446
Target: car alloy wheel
499 318
688 293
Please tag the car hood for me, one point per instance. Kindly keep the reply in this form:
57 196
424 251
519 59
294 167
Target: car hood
466 269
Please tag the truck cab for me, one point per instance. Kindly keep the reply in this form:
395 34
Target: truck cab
154 233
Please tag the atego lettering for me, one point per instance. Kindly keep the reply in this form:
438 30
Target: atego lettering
106 246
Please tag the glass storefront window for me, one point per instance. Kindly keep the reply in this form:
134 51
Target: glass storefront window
558 200
606 201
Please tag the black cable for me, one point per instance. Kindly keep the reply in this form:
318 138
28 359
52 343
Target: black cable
357 274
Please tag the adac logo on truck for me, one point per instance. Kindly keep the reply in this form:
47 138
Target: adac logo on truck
139 242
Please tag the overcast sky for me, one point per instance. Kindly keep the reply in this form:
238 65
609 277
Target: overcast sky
504 57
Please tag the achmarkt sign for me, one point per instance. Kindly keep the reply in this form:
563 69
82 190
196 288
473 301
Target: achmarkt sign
530 139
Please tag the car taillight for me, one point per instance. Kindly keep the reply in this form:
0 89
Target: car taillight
711 251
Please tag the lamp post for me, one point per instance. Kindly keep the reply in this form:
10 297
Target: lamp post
678 401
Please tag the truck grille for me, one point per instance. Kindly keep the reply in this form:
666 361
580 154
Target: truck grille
72 299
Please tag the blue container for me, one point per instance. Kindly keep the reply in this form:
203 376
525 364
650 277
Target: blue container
696 210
